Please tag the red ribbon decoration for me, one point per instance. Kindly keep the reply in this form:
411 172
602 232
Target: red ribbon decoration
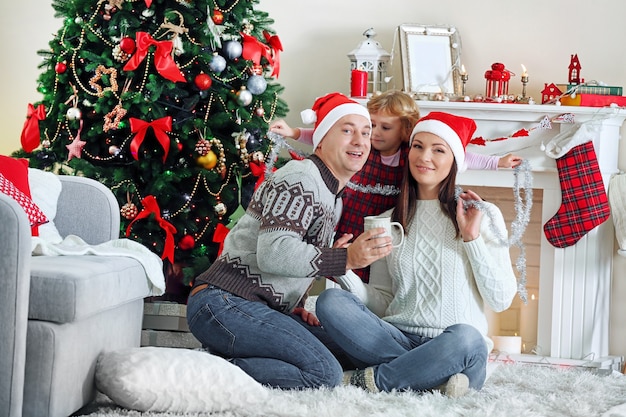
277 46
219 236
163 60
258 169
150 205
30 131
159 126
148 3
253 50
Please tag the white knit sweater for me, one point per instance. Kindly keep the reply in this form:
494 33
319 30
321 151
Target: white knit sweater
435 280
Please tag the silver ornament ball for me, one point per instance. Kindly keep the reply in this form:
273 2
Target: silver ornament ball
217 64
244 97
256 84
233 49
73 113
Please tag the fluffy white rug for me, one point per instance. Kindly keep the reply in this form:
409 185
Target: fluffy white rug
511 390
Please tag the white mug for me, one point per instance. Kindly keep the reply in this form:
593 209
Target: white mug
371 222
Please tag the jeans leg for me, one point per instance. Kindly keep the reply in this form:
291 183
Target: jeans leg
268 345
401 360
318 331
362 334
459 349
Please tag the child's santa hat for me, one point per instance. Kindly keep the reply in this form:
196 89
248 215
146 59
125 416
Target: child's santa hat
457 131
327 110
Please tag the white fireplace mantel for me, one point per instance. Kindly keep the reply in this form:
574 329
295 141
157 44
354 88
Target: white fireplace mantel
574 282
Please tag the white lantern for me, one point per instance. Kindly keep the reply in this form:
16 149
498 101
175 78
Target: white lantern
369 56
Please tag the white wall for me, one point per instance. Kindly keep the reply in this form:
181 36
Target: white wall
317 35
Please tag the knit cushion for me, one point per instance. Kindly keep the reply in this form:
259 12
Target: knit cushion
16 171
176 380
35 215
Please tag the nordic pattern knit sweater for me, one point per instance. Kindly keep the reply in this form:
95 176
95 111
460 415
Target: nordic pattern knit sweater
283 241
435 280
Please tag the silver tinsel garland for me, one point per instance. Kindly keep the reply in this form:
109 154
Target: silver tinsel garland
518 225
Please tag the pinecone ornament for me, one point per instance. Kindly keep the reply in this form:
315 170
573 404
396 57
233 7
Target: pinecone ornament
203 146
129 211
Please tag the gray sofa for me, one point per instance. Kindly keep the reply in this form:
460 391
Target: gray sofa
58 313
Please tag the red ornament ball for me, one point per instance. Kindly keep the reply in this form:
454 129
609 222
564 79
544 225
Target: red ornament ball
127 45
203 81
186 242
218 17
60 67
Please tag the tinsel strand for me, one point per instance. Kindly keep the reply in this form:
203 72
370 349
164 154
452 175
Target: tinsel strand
518 225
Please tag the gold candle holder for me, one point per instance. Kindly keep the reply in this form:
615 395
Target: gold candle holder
464 78
524 82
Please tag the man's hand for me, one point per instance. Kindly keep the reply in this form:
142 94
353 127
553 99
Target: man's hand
307 316
369 247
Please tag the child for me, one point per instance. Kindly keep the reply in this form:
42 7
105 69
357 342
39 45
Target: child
375 188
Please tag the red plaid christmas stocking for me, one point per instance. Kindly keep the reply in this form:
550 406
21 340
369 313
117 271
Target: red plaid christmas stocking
584 202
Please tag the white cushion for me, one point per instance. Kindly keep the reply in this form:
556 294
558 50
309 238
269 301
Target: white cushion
176 381
45 189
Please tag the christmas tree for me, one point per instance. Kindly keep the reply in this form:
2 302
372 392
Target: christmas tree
167 103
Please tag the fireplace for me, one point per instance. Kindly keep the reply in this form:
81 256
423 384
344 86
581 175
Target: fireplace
574 282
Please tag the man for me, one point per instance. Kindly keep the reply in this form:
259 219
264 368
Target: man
242 307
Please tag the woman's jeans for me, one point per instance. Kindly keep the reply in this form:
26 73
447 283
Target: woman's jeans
401 360
275 349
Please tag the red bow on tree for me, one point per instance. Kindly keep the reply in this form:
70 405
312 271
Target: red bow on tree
253 50
163 60
150 206
274 43
159 127
30 132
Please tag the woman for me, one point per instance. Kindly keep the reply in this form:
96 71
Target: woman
419 323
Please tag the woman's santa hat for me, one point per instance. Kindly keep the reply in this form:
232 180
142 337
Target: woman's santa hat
327 110
457 131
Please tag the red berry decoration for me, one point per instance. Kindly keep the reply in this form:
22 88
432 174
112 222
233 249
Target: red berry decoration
203 81
60 67
186 242
218 17
127 45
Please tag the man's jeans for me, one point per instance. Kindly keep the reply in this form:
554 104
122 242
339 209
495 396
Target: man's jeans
404 360
275 349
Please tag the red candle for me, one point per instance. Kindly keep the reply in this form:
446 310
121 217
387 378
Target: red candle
358 84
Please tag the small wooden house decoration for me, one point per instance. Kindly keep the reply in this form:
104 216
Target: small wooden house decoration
574 70
549 93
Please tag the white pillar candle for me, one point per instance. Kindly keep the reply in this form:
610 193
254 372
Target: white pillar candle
507 344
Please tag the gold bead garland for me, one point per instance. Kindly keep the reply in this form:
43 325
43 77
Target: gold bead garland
227 10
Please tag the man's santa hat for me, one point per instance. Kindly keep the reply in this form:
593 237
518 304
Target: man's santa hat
327 110
457 131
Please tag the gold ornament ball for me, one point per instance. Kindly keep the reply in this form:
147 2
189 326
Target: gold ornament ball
207 161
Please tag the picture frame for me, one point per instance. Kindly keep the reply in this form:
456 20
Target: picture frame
431 56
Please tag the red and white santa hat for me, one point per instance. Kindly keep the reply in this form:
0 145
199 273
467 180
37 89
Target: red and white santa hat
327 110
457 131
